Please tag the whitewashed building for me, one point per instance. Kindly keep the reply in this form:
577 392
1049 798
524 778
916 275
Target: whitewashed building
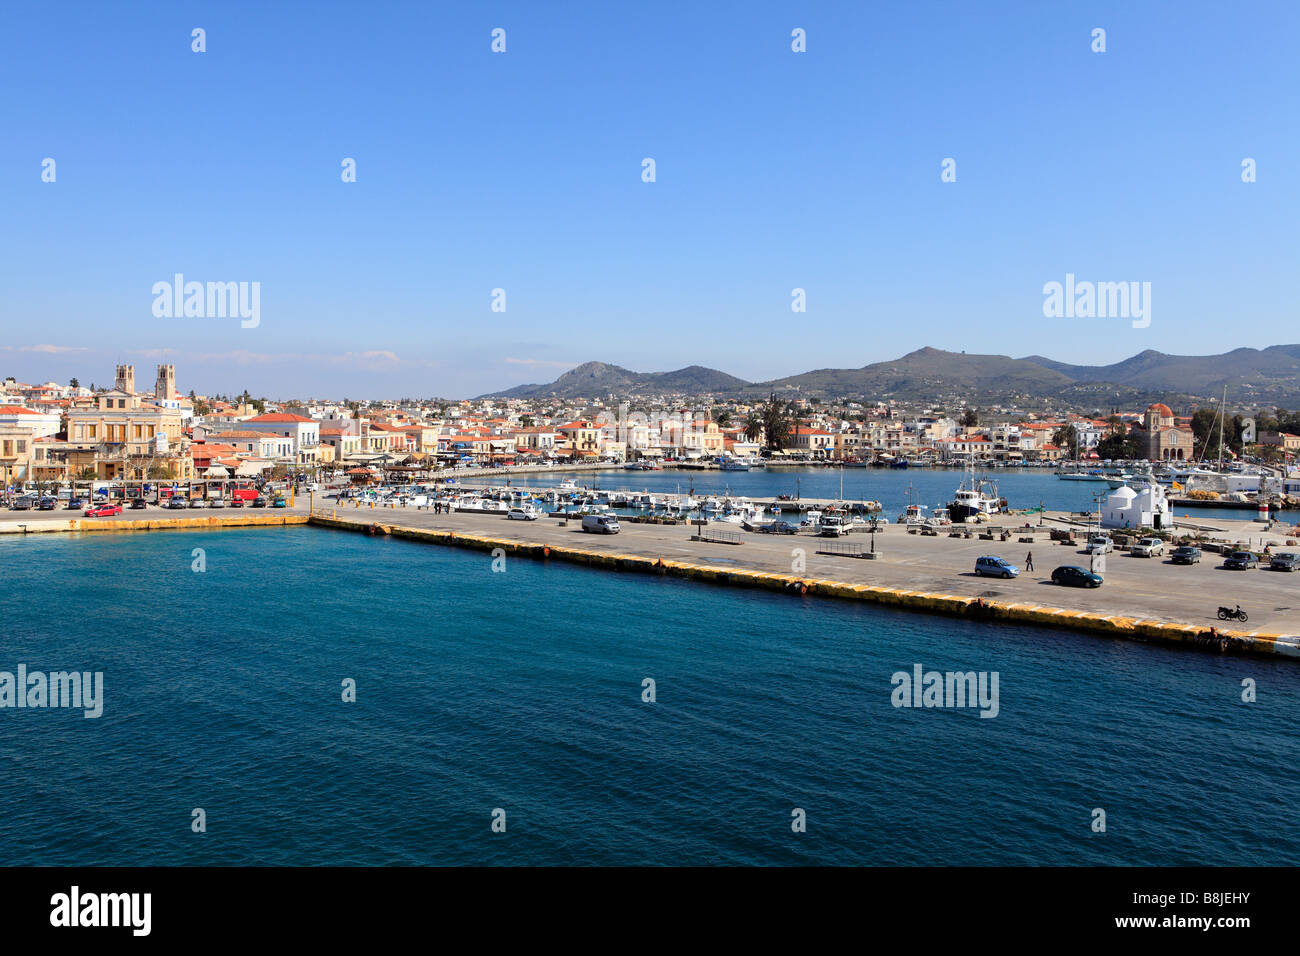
1145 507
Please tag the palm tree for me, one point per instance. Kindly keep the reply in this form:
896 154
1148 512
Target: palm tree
754 426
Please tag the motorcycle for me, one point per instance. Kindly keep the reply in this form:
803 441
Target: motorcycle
1233 614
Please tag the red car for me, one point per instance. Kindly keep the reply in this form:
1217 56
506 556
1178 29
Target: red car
103 511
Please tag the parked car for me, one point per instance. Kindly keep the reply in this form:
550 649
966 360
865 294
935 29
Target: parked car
259 502
47 503
1284 561
991 566
522 514
1073 576
236 502
176 503
138 504
74 504
1100 544
279 502
1185 555
21 503
217 503
1240 561
600 524
103 511
780 527
1148 548
196 503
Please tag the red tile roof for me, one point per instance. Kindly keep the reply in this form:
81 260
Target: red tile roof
280 417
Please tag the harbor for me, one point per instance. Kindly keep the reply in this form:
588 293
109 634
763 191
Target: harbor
824 547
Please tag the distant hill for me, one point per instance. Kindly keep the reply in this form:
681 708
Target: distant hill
598 379
928 373
1275 366
1269 376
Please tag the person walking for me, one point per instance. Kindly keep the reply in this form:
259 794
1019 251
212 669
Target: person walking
1029 561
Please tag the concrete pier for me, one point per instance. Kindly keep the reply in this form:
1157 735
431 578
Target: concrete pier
1142 599
1145 599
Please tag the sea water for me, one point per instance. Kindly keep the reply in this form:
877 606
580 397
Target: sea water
520 695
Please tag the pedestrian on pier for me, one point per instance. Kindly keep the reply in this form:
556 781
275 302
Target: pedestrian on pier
1029 561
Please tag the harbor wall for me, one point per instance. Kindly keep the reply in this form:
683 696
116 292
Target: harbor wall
149 524
1112 625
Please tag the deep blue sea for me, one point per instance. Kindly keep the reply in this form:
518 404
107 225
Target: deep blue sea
522 690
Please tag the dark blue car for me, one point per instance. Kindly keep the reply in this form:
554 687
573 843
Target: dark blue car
1073 576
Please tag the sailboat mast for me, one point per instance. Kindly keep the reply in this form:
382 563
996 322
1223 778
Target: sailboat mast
1223 414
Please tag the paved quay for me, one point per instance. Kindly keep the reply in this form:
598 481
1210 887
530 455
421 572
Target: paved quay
1145 599
1135 590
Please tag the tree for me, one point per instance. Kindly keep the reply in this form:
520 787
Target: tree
1067 436
161 470
754 426
1119 445
777 423
526 421
73 383
970 417
723 418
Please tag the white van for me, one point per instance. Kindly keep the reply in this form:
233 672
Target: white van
600 524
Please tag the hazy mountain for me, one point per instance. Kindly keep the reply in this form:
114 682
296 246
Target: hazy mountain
928 373
1269 376
598 379
1273 366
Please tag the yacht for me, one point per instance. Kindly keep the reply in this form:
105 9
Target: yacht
1081 476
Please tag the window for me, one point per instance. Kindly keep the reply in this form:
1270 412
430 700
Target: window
22 446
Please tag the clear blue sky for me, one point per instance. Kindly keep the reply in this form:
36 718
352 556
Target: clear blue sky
523 171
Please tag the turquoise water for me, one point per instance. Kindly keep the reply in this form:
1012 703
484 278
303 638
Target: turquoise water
522 690
930 487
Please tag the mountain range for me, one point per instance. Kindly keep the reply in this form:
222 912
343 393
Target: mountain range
1269 376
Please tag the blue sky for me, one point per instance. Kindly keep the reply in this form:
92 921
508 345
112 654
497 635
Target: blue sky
522 171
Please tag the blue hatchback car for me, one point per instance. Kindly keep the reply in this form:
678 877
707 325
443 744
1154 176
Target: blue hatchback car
995 567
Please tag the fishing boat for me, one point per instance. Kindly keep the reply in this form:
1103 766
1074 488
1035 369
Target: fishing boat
913 514
729 463
975 499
